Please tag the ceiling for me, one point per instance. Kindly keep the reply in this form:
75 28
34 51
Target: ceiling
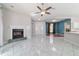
61 9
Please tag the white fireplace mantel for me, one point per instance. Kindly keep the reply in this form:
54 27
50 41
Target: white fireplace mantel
16 27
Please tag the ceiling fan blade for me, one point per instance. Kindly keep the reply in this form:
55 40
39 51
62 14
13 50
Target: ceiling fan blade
48 8
39 8
47 12
37 12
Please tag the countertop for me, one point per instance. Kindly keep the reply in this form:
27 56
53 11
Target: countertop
73 32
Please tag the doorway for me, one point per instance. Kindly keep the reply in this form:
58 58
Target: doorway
49 28
55 28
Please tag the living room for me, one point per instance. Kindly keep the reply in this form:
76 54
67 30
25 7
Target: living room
31 22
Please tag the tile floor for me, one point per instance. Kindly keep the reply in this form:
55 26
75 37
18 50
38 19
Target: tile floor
40 46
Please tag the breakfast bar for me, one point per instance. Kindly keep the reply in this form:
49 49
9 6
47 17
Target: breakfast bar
72 37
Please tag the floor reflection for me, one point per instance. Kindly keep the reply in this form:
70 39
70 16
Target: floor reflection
40 45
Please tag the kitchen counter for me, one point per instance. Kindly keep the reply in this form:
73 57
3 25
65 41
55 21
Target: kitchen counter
73 32
72 37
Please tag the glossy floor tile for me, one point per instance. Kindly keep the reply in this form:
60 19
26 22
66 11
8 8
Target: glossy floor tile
40 45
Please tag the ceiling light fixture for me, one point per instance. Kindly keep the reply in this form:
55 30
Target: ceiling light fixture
54 20
43 10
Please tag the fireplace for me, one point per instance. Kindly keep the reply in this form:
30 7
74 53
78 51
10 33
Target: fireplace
17 33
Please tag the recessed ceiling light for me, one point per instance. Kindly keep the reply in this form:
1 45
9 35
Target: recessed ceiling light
54 20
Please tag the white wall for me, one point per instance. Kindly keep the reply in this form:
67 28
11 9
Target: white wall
39 28
73 21
1 28
12 19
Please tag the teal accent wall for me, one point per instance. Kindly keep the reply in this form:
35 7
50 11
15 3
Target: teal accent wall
60 27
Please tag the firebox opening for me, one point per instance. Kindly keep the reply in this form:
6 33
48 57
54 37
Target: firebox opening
17 33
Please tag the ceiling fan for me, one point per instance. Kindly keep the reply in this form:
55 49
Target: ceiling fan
44 11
